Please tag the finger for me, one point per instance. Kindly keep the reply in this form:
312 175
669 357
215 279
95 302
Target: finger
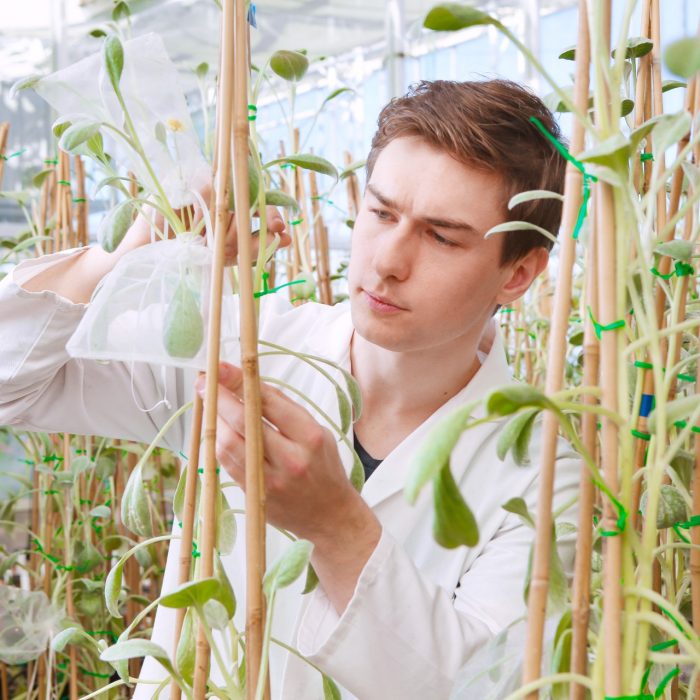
291 420
230 449
275 222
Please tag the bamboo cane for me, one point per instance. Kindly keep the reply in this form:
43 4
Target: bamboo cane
353 189
537 599
255 484
133 580
695 534
81 213
4 687
321 241
304 228
44 202
210 485
4 132
188 518
70 605
581 594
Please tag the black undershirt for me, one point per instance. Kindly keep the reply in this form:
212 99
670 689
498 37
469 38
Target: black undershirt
368 462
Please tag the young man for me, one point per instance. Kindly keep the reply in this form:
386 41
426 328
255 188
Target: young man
394 615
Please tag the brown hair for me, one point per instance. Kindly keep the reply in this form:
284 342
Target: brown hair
486 125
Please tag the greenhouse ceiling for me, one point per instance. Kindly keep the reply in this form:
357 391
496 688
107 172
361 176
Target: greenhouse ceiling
30 31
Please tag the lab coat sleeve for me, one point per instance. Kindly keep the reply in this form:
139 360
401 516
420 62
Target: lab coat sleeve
42 388
401 636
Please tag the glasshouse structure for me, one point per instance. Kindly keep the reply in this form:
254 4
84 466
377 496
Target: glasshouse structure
350 350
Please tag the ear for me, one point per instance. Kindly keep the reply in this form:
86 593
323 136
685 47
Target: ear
521 274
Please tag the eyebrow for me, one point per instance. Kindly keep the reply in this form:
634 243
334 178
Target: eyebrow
454 224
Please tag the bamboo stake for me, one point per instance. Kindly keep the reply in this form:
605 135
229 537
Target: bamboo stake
81 213
4 687
188 518
70 604
353 189
4 132
133 579
255 483
321 241
210 485
581 594
304 228
695 534
537 599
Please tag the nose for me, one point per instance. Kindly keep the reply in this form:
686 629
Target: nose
393 254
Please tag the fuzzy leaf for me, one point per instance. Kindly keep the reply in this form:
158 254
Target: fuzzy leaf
277 198
201 70
351 169
135 509
179 497
288 567
531 195
25 83
101 511
113 587
80 465
354 392
186 650
669 130
454 523
311 580
434 453
672 507
677 249
183 328
345 410
357 473
290 65
682 57
668 85
114 226
330 689
516 436
226 532
611 152
637 46
121 11
512 397
519 226
335 94
451 17
39 178
113 53
517 506
226 595
71 635
193 593
110 181
308 161
136 649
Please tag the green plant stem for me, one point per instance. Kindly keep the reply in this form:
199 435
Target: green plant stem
262 674
554 679
203 625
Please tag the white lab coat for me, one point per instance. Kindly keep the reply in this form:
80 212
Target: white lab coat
419 610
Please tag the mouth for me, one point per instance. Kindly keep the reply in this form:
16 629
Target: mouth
384 304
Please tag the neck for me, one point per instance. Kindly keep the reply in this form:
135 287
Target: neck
402 389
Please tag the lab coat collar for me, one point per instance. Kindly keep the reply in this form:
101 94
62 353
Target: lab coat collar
332 340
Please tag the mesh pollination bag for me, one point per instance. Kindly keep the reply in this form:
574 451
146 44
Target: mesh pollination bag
154 307
150 88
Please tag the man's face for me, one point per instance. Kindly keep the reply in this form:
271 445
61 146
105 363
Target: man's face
421 273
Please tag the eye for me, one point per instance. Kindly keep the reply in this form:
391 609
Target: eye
442 241
381 214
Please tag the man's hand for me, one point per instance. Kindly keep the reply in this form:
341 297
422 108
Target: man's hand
307 489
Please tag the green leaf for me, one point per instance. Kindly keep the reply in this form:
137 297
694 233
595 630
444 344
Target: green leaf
311 580
160 133
186 649
86 556
121 11
637 46
201 70
354 392
290 65
113 587
97 33
192 593
564 529
568 54
215 615
676 410
105 467
668 85
183 328
517 506
101 511
80 465
531 195
25 83
21 196
434 453
71 635
330 689
59 126
136 649
38 179
611 152
114 226
288 567
226 595
308 161
113 53
513 397
277 198
179 497
357 473
335 94
626 107
226 532
672 507
356 165
669 130
451 17
345 410
454 523
682 57
519 226
110 181
516 435
677 249
135 509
